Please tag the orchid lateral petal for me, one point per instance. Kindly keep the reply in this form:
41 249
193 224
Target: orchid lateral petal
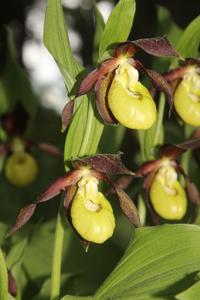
23 217
89 81
67 114
85 244
191 144
128 207
59 185
101 89
4 149
156 46
160 83
175 74
12 287
50 149
69 197
148 181
192 191
105 163
157 80
121 183
148 167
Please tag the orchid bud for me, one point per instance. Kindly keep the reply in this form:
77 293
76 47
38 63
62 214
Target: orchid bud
167 196
21 168
187 97
91 213
129 101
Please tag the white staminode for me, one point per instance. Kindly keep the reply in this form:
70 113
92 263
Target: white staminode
192 80
88 186
168 176
127 75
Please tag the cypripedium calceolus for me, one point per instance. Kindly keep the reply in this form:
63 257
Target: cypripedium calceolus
87 209
120 96
186 84
20 166
167 196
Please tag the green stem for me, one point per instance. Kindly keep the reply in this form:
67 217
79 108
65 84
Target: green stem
57 255
3 278
159 122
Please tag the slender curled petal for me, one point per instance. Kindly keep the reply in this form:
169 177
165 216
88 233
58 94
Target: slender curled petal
67 114
89 81
167 196
49 148
91 213
101 88
157 80
187 97
4 148
23 217
54 189
128 207
21 169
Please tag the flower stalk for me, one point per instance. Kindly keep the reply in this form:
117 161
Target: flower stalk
57 254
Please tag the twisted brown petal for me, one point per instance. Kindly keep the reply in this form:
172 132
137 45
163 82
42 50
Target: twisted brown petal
59 185
67 114
4 148
23 217
54 189
157 80
148 167
50 149
101 89
128 207
89 81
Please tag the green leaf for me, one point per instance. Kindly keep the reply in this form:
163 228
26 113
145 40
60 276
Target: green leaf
99 27
188 44
56 41
68 297
85 125
159 263
16 253
3 278
192 293
119 24
14 82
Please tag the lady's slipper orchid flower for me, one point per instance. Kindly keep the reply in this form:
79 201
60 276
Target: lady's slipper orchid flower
167 197
89 212
186 82
20 166
166 194
120 96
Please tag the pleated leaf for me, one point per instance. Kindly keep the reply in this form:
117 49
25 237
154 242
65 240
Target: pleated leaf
158 264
